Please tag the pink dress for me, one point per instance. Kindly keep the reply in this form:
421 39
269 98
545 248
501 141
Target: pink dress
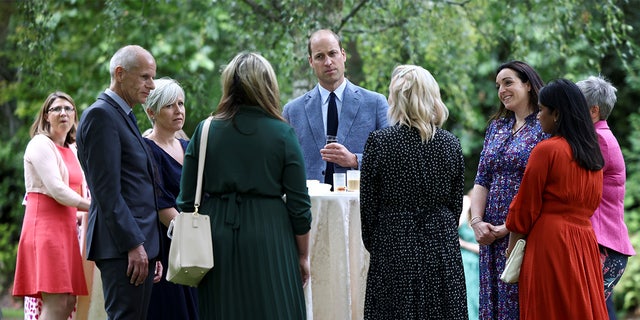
49 257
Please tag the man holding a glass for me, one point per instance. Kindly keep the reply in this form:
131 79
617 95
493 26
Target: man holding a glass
334 119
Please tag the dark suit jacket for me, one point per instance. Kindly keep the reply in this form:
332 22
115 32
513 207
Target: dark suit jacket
362 112
120 176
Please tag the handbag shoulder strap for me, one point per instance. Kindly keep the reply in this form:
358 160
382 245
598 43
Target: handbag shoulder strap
204 136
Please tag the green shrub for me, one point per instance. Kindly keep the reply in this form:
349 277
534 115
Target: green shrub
627 292
11 209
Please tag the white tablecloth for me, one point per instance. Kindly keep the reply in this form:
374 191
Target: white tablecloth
339 262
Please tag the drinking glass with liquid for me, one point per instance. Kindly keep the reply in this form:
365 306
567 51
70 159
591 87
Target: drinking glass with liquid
353 180
339 182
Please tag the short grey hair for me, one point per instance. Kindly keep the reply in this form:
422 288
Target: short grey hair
167 92
126 57
599 92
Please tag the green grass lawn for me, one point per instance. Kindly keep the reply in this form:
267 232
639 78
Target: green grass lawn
12 314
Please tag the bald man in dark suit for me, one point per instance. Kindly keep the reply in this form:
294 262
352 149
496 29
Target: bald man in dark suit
123 230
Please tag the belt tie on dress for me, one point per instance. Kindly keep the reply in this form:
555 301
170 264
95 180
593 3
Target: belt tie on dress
232 215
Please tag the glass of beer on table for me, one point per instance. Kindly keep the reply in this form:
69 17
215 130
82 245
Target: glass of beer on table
353 180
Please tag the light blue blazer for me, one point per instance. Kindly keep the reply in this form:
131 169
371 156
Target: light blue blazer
362 111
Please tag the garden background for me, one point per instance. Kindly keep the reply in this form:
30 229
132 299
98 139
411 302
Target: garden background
66 45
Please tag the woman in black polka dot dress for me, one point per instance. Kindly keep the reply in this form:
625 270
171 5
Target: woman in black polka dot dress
411 199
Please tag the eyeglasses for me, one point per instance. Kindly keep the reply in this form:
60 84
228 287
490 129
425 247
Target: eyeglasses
59 109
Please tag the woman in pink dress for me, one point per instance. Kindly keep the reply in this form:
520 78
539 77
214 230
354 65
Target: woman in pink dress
49 264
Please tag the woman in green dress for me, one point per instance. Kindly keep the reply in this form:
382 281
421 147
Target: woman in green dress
253 163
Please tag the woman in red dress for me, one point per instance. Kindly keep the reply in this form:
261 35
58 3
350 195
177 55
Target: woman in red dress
49 264
561 275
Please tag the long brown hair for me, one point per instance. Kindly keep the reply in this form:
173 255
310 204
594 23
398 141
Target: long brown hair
249 80
42 126
526 73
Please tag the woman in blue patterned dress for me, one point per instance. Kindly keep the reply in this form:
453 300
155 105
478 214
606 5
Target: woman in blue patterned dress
512 133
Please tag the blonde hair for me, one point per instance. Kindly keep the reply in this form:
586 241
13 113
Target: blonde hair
414 100
42 126
249 79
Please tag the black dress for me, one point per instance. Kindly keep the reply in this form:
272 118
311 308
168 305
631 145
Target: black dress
411 200
169 300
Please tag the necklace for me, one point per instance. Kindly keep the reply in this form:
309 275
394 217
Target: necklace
517 128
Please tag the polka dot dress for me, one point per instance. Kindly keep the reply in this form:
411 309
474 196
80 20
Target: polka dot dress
411 199
33 309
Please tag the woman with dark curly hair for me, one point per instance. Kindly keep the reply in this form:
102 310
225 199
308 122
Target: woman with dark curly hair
512 132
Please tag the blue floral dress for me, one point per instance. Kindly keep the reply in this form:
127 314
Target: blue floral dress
503 159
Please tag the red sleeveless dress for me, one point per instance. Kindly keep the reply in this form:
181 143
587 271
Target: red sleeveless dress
48 258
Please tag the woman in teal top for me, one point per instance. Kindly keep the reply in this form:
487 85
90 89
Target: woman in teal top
260 241
469 249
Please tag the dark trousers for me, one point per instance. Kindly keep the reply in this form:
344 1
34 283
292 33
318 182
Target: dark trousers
123 300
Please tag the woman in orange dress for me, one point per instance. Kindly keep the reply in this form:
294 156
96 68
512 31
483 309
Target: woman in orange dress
49 264
561 275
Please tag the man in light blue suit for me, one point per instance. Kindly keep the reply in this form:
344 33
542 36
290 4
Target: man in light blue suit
359 111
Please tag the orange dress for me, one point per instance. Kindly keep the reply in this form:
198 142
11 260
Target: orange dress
561 274
49 257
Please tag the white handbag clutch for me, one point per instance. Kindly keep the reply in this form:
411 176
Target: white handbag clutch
191 250
511 272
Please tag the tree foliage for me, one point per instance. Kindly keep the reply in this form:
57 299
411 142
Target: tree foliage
66 45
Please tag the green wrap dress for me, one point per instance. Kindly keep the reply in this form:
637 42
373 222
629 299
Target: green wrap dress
252 161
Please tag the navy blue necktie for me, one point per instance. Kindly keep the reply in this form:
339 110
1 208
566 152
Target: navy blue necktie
332 130
133 118
332 116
